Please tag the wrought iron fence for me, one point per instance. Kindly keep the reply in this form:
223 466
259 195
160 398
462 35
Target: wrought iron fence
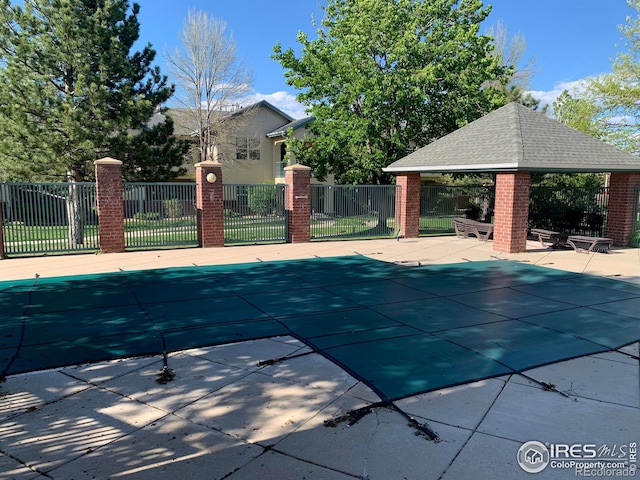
439 204
254 213
160 215
634 241
580 211
45 218
353 211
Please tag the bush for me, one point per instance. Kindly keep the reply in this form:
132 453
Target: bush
146 216
173 208
262 199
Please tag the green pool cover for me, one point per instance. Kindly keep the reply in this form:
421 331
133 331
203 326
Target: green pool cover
401 330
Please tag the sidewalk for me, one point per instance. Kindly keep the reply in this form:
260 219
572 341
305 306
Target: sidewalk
225 416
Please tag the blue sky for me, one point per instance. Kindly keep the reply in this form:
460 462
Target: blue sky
569 39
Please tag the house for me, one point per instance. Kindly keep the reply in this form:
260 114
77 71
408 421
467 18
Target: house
251 142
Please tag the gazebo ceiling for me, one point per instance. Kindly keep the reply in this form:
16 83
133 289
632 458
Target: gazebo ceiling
512 138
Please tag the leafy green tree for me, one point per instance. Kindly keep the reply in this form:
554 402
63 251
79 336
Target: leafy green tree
70 87
582 114
385 77
608 106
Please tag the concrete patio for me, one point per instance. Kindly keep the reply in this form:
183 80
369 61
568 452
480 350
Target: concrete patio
226 416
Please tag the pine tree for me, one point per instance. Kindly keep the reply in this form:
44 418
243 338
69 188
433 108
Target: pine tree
72 90
70 86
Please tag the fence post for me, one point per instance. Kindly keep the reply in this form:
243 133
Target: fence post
621 207
110 205
297 203
210 204
511 213
408 204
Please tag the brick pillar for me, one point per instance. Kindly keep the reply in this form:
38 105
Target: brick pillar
110 204
408 204
621 206
297 203
210 204
511 212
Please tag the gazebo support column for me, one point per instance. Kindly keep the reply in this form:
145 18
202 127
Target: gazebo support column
511 212
621 206
408 204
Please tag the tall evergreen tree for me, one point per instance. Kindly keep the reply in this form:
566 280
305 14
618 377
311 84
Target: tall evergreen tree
384 77
72 90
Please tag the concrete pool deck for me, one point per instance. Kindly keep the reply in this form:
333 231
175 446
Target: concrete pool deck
226 416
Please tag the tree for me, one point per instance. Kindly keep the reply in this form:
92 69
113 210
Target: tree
70 86
71 91
152 154
511 51
210 78
385 77
579 112
582 114
608 106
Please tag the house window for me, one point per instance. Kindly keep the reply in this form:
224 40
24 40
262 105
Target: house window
247 148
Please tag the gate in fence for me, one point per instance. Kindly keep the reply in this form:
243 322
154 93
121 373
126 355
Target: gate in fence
439 204
254 214
46 218
160 215
354 211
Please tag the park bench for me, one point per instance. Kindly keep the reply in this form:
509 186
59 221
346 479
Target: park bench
465 228
584 244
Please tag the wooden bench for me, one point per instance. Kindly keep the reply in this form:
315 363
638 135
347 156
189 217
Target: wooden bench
590 244
466 228
554 239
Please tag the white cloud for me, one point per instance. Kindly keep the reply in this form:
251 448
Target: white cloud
285 101
547 97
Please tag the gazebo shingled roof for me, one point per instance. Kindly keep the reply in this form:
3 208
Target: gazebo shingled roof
512 138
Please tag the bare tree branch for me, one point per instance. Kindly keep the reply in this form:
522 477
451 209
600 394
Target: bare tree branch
210 77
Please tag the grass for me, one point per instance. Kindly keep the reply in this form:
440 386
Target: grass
174 232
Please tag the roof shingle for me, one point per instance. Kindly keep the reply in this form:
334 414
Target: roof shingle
512 138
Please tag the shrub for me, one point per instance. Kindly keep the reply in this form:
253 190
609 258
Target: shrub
173 208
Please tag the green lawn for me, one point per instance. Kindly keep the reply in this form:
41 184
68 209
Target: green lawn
172 232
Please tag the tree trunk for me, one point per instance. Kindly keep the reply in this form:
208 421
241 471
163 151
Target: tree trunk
75 215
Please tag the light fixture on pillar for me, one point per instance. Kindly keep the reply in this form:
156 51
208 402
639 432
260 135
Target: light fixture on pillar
211 177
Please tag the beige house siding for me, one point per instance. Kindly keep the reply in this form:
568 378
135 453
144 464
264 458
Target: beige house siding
253 123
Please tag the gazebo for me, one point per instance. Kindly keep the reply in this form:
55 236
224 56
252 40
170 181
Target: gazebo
513 142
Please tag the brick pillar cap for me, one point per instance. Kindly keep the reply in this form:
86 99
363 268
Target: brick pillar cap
297 167
107 161
208 163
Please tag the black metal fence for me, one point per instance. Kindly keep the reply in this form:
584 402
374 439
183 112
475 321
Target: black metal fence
353 211
43 218
634 241
254 213
579 211
439 204
160 215
46 218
